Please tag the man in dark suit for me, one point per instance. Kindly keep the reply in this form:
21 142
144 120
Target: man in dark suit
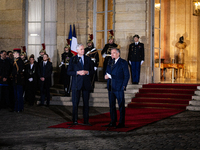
31 80
80 68
4 75
44 72
136 58
117 76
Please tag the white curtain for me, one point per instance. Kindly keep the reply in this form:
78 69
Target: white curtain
35 30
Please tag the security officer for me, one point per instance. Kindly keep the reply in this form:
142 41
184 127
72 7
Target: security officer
136 58
64 77
106 52
92 52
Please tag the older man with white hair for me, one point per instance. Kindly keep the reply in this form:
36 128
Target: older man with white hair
81 69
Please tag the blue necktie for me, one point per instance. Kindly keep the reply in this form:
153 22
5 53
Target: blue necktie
81 62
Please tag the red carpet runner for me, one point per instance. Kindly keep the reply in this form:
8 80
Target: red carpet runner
146 107
170 96
135 118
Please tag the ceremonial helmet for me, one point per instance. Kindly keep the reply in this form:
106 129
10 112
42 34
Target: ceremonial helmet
43 49
111 34
90 39
18 50
23 51
67 45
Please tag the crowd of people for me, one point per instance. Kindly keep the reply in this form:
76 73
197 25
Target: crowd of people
21 77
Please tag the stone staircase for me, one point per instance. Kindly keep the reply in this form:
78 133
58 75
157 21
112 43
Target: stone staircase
194 104
97 99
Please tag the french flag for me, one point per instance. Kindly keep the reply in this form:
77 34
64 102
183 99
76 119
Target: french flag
74 42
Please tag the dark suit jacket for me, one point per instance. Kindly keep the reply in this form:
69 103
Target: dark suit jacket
48 72
136 52
77 80
4 70
120 75
31 73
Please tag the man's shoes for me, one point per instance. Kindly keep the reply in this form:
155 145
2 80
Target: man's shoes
40 105
110 125
75 123
120 125
87 124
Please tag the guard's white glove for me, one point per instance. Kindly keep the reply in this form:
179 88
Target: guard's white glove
30 79
142 62
61 64
109 75
129 62
104 55
95 68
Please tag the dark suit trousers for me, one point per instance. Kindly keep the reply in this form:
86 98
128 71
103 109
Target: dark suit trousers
4 97
135 70
45 92
119 95
75 102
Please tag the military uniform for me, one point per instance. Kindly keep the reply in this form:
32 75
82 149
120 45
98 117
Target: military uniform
93 54
18 82
65 78
107 50
136 55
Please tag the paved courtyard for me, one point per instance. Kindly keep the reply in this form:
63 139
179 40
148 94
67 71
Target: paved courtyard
28 130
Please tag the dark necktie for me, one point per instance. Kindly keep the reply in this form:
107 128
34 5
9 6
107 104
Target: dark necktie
81 61
44 69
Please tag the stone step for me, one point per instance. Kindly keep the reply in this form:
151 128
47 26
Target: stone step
197 92
193 108
92 103
196 97
198 87
194 103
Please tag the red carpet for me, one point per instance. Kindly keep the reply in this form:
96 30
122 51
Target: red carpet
170 96
135 118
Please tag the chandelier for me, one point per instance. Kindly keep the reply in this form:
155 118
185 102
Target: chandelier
196 7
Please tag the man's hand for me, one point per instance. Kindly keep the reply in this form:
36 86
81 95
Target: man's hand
42 78
4 79
82 72
106 77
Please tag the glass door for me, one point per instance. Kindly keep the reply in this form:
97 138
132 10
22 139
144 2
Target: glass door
156 40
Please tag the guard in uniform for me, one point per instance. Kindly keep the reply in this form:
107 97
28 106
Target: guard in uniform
23 55
42 52
106 52
64 77
136 58
92 52
18 80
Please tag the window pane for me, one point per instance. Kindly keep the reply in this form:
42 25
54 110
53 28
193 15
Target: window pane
100 21
110 20
52 52
50 33
100 5
156 38
34 10
157 18
110 4
100 40
34 33
34 49
50 10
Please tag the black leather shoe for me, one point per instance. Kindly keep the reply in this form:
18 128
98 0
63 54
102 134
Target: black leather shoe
87 124
110 125
75 122
120 125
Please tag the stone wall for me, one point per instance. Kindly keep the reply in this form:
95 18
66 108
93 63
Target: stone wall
12 24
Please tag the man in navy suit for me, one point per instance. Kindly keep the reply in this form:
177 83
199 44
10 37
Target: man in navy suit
44 72
117 75
81 69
